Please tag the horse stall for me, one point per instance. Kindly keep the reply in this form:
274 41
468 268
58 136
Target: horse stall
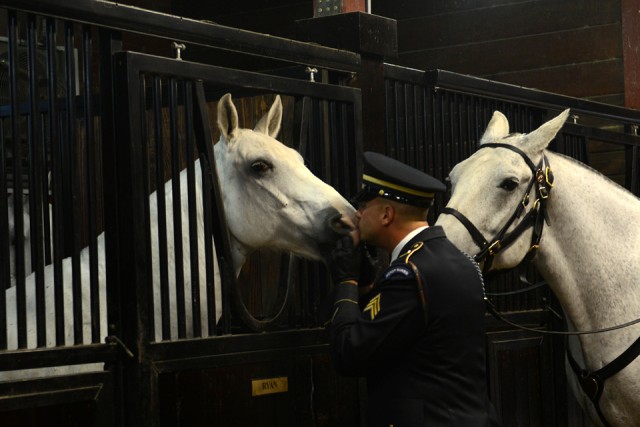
123 304
133 312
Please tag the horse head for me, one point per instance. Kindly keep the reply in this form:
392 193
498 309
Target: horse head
488 187
271 198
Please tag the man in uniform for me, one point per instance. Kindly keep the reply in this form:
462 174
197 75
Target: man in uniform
418 336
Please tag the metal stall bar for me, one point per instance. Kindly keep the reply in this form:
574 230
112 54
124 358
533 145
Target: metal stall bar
36 166
91 191
71 182
187 88
21 310
177 206
156 100
55 136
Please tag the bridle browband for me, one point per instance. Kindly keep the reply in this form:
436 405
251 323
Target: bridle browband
536 217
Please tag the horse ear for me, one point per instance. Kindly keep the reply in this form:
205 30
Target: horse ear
227 118
538 140
270 122
497 128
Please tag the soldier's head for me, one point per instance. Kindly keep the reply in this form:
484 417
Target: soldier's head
393 195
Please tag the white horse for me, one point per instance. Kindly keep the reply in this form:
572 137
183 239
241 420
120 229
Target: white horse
270 199
589 254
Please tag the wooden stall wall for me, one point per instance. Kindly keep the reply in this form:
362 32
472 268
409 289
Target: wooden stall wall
570 47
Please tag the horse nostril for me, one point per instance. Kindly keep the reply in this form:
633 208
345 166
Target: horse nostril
340 224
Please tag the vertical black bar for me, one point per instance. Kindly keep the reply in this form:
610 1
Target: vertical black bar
396 153
56 179
46 206
73 181
192 203
211 191
35 180
207 212
163 266
405 143
12 30
91 190
418 143
177 206
110 42
5 268
344 147
133 257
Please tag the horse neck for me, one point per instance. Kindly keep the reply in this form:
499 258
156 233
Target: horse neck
589 253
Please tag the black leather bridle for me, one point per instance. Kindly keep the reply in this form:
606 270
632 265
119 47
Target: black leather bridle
536 217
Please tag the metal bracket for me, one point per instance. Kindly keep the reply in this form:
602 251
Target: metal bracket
312 72
178 47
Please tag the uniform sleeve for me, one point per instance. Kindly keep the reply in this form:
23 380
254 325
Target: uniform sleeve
391 320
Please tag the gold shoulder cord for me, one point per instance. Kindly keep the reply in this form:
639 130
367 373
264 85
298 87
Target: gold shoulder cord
419 281
411 251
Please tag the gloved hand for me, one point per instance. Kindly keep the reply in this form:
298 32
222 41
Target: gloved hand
345 261
370 265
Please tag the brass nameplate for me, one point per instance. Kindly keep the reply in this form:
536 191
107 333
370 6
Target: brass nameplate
269 386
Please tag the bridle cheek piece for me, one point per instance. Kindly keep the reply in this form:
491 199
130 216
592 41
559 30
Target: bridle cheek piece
543 179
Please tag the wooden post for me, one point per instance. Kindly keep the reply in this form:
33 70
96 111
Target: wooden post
374 38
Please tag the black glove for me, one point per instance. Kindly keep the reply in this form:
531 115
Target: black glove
345 261
370 266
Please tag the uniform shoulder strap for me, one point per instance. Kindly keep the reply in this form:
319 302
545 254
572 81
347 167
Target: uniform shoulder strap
419 281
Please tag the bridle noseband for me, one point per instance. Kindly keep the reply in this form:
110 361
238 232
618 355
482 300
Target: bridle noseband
536 217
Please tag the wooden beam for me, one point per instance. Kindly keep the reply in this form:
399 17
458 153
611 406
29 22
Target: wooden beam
631 52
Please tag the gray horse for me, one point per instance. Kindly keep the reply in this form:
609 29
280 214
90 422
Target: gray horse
589 255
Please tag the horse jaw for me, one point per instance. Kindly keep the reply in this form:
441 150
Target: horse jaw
284 206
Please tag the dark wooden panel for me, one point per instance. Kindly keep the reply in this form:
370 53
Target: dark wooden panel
504 22
610 163
222 396
85 400
268 17
578 80
206 9
401 9
275 21
542 50
519 363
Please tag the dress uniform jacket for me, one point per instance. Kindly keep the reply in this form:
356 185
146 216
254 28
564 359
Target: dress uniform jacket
425 365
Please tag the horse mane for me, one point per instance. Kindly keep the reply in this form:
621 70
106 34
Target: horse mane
595 172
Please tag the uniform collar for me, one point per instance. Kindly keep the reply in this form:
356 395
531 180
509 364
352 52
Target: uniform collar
403 242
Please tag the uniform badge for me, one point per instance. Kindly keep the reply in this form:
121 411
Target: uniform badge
398 270
373 307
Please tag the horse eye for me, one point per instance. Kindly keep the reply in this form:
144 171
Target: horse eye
509 184
261 166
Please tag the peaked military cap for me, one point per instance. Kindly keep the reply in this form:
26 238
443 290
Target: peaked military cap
389 178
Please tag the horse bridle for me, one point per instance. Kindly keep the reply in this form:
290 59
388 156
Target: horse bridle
536 217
